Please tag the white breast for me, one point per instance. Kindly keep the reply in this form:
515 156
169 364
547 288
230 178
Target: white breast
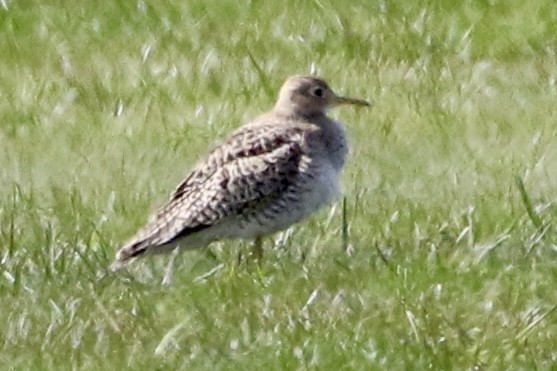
325 190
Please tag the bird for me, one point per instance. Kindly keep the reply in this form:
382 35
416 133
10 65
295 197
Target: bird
269 174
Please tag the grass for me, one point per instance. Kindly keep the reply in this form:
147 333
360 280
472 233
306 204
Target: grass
449 213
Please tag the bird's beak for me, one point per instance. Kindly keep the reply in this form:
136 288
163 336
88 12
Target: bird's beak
346 100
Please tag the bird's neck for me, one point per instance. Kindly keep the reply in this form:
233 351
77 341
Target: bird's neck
331 133
293 111
334 138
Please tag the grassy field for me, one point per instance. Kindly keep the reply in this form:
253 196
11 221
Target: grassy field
448 259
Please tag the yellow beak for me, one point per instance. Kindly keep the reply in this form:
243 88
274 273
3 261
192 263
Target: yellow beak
346 100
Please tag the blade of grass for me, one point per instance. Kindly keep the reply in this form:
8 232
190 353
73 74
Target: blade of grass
534 218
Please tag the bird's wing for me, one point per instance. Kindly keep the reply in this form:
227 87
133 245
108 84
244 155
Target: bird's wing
248 141
254 165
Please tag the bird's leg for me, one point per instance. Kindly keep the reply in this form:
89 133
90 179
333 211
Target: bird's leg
169 271
257 251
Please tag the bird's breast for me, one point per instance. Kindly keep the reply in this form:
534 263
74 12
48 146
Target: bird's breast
336 145
326 185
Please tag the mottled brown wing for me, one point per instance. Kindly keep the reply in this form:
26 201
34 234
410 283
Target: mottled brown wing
246 169
248 141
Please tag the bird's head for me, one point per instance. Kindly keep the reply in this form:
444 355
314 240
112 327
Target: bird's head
310 96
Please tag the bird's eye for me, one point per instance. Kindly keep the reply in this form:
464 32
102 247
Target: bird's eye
318 92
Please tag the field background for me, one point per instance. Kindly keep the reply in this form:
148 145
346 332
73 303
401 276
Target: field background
445 256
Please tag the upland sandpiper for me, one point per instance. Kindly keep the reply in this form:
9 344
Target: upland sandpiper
269 174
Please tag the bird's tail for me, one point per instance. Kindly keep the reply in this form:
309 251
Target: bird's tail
130 252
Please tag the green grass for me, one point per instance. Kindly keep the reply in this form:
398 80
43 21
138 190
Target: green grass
450 188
